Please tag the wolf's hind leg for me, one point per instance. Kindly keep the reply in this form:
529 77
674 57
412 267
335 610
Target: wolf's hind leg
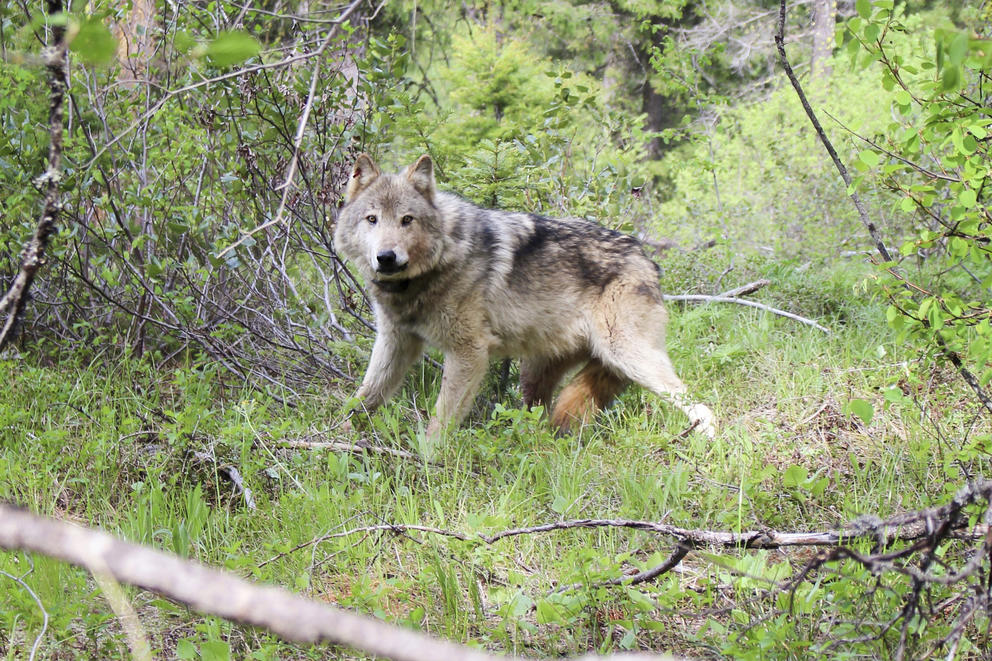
632 342
651 368
540 376
593 387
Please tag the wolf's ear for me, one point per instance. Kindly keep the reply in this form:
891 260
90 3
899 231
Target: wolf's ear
421 175
362 175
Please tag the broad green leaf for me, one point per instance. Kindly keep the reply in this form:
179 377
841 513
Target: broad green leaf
231 48
547 612
863 7
969 145
794 476
185 650
862 409
894 395
215 650
958 49
951 79
968 198
869 157
92 41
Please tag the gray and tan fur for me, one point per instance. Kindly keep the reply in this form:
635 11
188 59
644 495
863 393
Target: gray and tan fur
480 284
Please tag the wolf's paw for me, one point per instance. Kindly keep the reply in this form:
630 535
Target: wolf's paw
702 417
435 429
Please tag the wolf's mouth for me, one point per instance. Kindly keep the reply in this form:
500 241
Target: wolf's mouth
390 269
392 286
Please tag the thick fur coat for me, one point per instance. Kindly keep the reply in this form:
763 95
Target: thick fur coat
482 283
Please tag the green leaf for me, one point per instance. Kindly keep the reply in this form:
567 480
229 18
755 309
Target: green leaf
547 613
903 98
968 198
215 650
794 476
958 49
92 41
231 48
862 409
894 395
863 7
185 649
869 157
951 79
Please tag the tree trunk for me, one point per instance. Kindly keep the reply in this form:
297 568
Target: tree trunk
824 23
137 44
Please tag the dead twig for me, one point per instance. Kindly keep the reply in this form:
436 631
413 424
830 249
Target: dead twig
44 613
342 446
742 301
670 563
397 528
220 593
743 290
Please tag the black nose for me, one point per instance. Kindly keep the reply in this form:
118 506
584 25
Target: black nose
386 259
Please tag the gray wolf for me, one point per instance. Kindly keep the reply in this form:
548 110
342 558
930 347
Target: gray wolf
482 283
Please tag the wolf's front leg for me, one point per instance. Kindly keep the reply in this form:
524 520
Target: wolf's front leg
460 381
393 353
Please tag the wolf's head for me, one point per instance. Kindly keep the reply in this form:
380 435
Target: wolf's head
389 227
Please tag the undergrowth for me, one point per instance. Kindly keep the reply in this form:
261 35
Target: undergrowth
146 454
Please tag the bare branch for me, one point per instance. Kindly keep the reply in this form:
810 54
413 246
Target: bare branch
44 613
219 593
749 288
151 112
743 301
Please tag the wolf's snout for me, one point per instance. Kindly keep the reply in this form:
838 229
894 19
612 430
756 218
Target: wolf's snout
387 262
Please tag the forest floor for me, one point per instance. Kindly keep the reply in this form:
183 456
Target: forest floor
148 454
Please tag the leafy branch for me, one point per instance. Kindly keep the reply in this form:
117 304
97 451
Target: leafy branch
942 344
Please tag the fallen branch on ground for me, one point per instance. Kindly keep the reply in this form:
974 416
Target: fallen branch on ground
749 288
341 446
220 593
744 301
906 527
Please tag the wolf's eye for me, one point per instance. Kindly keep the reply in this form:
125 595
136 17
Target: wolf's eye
406 220
372 219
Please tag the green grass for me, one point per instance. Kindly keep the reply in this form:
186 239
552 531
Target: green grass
114 446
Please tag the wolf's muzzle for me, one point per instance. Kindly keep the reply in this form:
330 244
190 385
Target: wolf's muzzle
388 263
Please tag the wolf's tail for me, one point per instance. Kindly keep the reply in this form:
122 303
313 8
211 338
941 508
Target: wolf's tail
593 387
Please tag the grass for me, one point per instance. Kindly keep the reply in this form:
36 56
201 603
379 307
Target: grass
114 446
